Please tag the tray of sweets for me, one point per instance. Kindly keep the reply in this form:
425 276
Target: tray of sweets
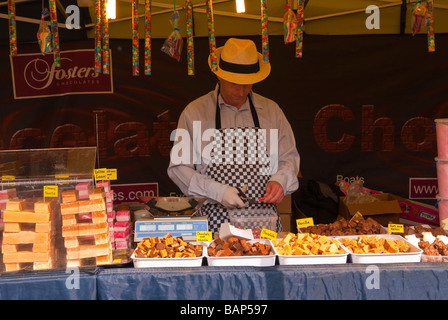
167 252
435 248
257 253
381 248
306 249
342 227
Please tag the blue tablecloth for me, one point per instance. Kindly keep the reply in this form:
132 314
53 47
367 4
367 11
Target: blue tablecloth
49 285
347 281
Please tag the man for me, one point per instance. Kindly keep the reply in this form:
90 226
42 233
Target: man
239 125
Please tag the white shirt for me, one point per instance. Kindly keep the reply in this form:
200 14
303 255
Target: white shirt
190 177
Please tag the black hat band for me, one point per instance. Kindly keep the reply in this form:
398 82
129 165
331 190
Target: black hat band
239 68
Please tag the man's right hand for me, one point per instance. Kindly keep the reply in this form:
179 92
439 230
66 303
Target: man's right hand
231 200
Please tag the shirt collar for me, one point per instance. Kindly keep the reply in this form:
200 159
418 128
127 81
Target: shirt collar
245 106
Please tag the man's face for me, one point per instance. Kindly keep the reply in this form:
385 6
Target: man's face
234 94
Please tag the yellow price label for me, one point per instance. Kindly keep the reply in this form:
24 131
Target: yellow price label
6 177
356 217
269 234
204 236
306 222
395 228
100 174
111 174
51 191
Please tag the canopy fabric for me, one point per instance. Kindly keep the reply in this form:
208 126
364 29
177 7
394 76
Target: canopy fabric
322 17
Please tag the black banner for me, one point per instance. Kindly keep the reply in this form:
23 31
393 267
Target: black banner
360 106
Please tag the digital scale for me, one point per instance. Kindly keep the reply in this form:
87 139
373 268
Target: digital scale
173 215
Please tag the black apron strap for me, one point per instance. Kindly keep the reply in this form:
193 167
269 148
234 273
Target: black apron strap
218 112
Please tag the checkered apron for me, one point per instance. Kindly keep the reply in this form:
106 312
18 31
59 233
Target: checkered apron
242 168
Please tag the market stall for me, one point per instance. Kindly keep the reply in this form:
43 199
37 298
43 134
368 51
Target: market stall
367 114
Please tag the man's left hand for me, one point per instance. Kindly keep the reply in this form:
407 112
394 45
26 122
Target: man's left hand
274 193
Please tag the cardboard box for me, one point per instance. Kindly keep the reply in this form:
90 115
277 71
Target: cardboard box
286 219
421 213
285 205
384 211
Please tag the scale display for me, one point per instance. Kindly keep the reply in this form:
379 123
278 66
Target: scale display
177 228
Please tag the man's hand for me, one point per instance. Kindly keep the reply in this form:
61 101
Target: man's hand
231 200
274 193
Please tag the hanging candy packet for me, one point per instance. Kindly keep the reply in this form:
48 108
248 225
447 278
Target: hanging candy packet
173 44
289 25
418 17
44 34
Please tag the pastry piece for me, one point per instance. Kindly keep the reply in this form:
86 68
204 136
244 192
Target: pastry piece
104 184
102 238
26 256
71 242
44 206
25 237
88 251
123 215
91 205
68 220
15 205
106 259
35 247
25 216
84 229
83 190
69 208
43 265
70 196
96 193
99 216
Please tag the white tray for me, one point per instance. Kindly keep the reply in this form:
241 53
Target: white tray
414 255
313 259
427 258
253 261
168 262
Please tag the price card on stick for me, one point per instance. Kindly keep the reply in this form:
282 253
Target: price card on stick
306 222
269 234
50 191
204 236
111 174
395 228
356 217
100 174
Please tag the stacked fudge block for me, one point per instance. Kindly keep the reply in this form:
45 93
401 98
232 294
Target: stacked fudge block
119 221
84 227
5 196
28 237
123 228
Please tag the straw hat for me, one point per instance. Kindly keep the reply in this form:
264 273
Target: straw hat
238 61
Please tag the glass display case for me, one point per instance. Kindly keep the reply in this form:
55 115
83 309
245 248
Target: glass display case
53 213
